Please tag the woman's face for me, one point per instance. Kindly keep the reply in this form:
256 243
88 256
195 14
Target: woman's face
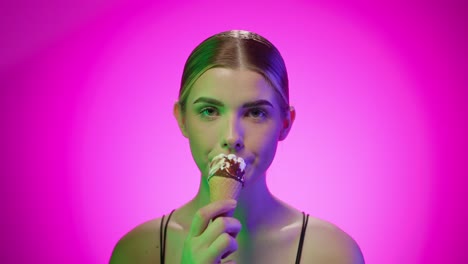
233 111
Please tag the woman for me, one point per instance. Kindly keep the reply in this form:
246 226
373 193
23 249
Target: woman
234 99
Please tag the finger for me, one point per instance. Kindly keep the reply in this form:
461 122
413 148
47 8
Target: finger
223 246
203 216
221 225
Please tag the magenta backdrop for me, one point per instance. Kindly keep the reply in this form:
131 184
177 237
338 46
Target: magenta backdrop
92 149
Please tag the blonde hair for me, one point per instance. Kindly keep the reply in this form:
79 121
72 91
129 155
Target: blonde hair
236 49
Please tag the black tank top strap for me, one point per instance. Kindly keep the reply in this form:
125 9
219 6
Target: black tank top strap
162 237
305 220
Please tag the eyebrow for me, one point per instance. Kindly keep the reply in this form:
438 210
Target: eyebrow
246 105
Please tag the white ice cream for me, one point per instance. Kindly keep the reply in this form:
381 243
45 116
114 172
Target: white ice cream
219 162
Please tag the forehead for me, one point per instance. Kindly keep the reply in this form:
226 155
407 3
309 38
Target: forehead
231 85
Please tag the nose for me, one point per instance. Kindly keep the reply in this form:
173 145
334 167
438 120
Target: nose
233 136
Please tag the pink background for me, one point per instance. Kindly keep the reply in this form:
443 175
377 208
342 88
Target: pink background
91 148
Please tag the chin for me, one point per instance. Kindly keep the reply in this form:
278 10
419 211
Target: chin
251 178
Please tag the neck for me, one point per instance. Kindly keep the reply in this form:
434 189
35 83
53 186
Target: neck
257 209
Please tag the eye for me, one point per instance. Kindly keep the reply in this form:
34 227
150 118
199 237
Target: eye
209 111
257 113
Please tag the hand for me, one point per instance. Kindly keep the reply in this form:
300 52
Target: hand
208 243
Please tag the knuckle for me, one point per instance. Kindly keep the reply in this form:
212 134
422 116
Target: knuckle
192 244
201 214
236 223
234 244
225 239
221 223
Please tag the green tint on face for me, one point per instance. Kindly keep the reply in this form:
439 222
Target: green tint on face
239 108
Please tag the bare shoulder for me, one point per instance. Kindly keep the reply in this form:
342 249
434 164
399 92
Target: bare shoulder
139 245
327 243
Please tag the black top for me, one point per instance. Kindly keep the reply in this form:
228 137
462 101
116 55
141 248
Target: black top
163 234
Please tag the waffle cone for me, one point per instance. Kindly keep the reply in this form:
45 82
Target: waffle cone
223 188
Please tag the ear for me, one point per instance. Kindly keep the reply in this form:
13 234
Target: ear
179 115
287 123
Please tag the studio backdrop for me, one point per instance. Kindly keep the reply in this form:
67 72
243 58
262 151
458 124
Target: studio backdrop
91 148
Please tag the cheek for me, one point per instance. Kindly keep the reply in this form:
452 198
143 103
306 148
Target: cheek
202 140
264 142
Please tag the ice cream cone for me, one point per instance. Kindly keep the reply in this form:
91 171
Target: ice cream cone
222 188
226 177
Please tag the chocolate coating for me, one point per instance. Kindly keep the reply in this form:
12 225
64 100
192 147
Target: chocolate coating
229 168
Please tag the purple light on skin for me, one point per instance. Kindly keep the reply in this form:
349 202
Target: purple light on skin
378 145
